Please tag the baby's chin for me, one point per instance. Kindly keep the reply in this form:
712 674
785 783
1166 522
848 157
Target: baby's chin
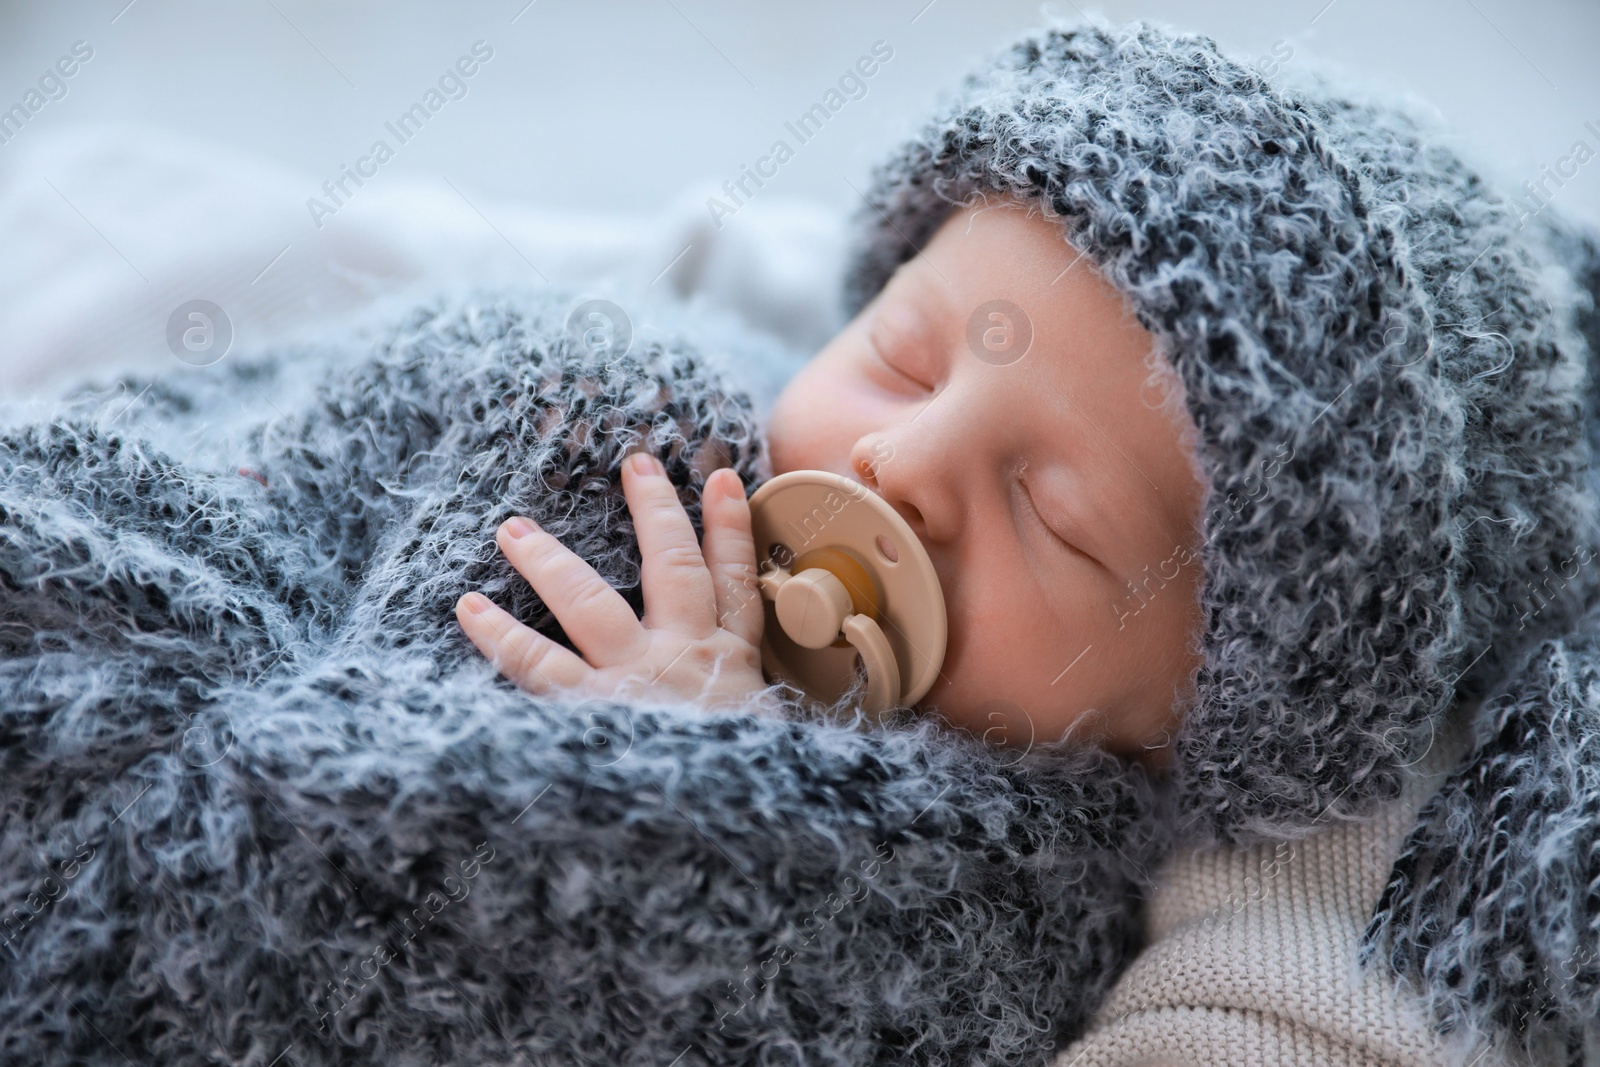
1005 724
995 721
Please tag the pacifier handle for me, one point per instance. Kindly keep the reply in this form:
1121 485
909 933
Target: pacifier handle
883 673
815 609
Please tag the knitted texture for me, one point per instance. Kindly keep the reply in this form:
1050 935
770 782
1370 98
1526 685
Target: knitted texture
1388 369
1252 955
1493 909
261 801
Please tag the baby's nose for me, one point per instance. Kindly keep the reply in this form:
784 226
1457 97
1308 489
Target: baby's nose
865 465
868 457
909 487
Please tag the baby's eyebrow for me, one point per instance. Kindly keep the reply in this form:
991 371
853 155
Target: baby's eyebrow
919 311
893 324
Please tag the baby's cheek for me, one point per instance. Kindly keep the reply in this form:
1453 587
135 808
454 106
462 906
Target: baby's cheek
819 418
976 688
787 436
1049 664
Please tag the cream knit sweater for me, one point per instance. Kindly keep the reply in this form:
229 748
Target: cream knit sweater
1251 956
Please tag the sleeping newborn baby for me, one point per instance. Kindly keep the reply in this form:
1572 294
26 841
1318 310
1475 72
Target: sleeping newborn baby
1287 488
1040 452
222 669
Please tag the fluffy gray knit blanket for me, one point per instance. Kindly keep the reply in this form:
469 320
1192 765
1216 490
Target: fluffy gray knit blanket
261 802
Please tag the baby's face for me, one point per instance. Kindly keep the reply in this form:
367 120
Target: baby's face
1041 486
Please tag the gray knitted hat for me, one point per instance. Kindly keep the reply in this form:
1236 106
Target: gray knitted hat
1387 362
1390 409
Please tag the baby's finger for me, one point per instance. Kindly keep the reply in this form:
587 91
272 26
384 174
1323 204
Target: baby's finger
594 615
730 552
524 655
678 594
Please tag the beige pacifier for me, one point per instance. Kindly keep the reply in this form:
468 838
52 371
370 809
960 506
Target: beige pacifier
844 581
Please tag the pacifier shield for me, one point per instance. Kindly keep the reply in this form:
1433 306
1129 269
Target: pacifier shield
815 519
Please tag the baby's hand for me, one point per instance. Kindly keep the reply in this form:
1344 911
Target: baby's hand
700 638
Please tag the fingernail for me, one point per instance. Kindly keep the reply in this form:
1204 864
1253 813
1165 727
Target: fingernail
643 463
518 527
475 603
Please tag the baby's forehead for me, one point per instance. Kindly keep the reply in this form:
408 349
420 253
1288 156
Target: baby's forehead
1004 275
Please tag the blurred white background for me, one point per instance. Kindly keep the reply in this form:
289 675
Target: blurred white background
179 162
